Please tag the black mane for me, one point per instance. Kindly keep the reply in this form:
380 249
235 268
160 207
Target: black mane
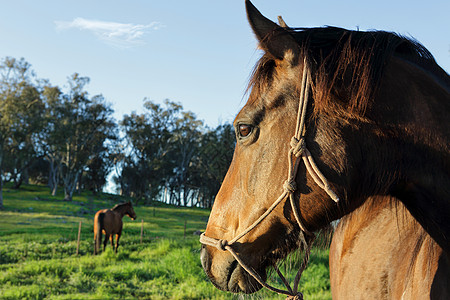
347 65
120 205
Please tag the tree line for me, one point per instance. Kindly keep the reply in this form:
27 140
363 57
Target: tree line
68 139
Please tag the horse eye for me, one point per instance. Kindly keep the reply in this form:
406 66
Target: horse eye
244 130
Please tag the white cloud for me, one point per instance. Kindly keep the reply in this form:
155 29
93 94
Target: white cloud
118 34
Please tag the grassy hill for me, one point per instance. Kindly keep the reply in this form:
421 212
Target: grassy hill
38 241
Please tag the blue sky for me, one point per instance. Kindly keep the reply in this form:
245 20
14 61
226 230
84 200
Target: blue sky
197 52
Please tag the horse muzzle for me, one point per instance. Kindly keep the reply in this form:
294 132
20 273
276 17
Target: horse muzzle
225 272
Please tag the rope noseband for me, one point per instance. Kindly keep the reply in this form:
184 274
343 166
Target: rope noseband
298 149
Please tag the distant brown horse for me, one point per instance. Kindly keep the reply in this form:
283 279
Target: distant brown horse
360 116
109 222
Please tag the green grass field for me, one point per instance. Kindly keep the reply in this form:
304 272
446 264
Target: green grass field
38 241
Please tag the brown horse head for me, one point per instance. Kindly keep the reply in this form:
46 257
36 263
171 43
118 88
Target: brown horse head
264 128
355 132
130 211
125 209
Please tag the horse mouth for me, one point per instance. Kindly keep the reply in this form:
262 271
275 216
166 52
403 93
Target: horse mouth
240 281
232 277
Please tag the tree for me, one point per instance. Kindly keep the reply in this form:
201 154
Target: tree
51 139
98 168
170 156
20 111
212 162
185 146
85 126
146 167
25 117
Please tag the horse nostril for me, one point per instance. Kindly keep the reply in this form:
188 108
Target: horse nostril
205 259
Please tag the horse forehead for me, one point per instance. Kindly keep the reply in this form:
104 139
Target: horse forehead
247 112
272 97
261 99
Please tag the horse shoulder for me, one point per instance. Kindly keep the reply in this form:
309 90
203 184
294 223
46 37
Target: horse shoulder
116 221
359 263
380 252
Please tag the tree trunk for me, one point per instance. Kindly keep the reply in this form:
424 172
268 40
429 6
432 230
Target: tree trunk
54 190
18 182
21 174
165 195
78 185
70 183
53 176
26 176
68 192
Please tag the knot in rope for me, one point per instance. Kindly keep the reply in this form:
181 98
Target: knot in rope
290 186
297 146
221 244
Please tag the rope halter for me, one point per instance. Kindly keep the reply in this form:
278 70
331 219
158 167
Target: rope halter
298 149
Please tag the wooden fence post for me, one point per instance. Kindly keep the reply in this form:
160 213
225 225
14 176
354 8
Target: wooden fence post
185 221
142 229
79 235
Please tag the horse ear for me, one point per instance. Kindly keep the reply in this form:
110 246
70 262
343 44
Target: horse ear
273 38
282 22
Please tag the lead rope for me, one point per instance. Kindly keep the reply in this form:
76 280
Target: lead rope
298 149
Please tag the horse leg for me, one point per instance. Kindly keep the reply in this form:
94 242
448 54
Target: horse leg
95 244
111 239
105 241
117 241
97 241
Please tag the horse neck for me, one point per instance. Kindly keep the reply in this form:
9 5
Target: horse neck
121 210
418 104
416 149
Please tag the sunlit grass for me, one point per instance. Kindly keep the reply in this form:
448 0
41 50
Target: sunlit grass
38 240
